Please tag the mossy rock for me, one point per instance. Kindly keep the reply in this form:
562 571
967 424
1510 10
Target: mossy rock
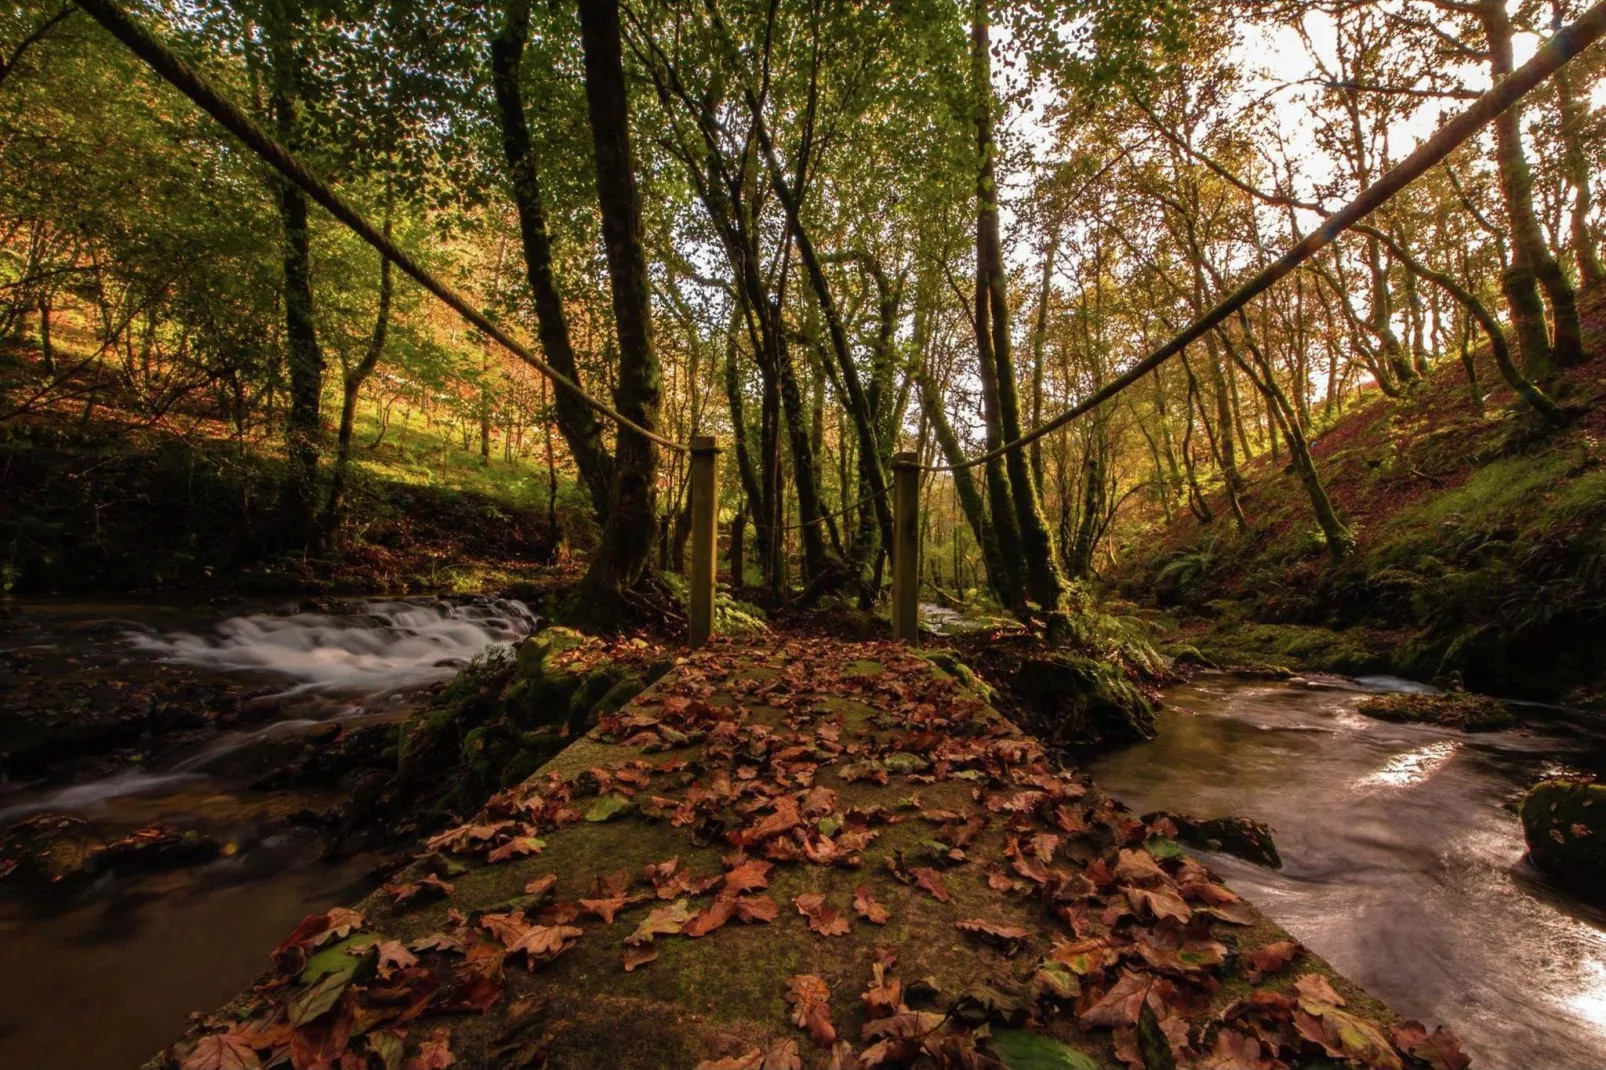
1564 822
1093 701
539 649
1241 837
1472 713
947 662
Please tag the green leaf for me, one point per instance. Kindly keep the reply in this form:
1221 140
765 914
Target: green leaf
322 996
1162 848
1020 1050
336 958
607 807
904 762
830 825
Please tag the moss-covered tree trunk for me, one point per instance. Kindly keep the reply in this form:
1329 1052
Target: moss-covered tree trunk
626 540
1532 265
1037 548
303 429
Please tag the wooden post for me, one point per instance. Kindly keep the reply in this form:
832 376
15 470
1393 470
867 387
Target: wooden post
704 536
906 548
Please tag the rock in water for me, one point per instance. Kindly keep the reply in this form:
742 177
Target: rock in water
1564 822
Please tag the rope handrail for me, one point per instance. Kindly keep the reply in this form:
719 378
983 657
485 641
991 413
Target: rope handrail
844 511
1567 43
188 81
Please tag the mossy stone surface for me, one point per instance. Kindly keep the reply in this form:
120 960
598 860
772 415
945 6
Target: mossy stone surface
1564 822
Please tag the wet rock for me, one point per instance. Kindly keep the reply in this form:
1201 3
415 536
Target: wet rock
1470 713
1564 822
1076 699
1241 837
149 850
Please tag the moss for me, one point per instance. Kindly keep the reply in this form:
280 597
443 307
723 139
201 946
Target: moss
1474 713
1082 700
949 664
1564 822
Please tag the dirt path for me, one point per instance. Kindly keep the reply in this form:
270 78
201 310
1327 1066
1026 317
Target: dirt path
802 853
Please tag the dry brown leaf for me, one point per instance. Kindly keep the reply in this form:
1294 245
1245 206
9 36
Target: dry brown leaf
638 956
664 921
864 903
1272 958
222 1051
823 917
749 876
756 908
1315 987
749 1060
711 917
930 881
435 1053
810 1000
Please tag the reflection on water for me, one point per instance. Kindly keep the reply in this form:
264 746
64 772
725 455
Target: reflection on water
1398 853
109 982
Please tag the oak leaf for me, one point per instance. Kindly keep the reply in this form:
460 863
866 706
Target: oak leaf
749 876
929 881
756 908
749 1060
710 917
864 903
810 1000
1440 1049
638 956
823 918
1272 958
517 847
664 921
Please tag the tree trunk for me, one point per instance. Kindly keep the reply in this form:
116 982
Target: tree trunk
1037 548
626 541
1531 260
580 425
1575 166
303 430
1039 342
999 578
351 384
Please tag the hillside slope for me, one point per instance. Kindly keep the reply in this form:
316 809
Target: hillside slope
1481 544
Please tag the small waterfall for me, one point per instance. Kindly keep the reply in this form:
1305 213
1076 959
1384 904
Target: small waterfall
377 649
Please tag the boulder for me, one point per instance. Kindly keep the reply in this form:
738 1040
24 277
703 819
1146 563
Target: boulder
1564 822
1080 700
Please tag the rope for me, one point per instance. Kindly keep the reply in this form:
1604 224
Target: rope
186 80
1566 44
844 511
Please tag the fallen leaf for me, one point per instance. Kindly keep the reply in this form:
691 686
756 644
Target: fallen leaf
751 1060
810 1000
747 877
1440 1049
435 1053
1019 1050
638 956
930 881
607 807
1121 1004
517 847
1004 936
756 908
1345 1036
1272 958
864 903
606 909
823 918
664 921
1235 1051
783 1055
1313 986
711 917
393 956
222 1051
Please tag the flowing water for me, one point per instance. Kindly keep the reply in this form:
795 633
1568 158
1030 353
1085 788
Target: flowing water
1402 864
107 976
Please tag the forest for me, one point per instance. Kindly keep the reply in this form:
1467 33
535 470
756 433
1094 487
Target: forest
1120 449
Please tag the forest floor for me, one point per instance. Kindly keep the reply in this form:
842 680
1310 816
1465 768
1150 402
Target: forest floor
106 493
801 852
1480 540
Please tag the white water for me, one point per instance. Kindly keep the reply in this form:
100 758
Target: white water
381 648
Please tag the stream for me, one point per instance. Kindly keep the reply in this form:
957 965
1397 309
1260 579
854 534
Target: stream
107 977
1402 864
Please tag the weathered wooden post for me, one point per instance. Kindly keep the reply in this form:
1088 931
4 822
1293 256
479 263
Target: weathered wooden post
906 548
704 536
